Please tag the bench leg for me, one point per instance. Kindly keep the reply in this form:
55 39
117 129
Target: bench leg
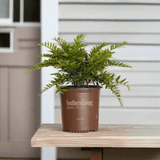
96 153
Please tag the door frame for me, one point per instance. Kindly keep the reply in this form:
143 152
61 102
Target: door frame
49 30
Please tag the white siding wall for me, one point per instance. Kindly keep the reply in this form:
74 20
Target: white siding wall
138 23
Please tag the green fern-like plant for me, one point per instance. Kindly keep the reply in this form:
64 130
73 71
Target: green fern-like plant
80 68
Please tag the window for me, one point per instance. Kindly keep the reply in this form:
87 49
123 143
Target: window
4 8
5 14
6 40
31 11
16 11
19 12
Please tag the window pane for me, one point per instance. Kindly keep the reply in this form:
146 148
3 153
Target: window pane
31 10
16 11
4 8
5 40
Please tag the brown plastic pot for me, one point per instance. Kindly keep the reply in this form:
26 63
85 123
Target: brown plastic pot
80 109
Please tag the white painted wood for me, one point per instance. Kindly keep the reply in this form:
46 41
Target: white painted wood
125 116
49 29
113 1
117 38
140 33
129 116
114 23
138 66
129 52
140 78
102 27
137 102
11 31
11 10
25 24
21 11
47 98
136 53
109 12
12 35
135 91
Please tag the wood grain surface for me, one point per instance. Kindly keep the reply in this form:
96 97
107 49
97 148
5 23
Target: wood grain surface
138 136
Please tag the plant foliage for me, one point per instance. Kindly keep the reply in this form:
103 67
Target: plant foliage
80 68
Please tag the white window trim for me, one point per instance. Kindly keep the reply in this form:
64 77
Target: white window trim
24 24
11 10
8 20
21 11
11 32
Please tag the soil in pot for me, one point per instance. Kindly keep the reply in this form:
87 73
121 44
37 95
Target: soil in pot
80 109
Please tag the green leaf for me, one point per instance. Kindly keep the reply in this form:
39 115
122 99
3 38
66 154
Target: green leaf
78 66
117 79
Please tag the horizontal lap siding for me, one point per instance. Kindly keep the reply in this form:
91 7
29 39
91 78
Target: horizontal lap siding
109 12
111 1
138 39
92 26
138 23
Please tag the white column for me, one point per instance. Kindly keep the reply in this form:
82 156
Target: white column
49 29
21 11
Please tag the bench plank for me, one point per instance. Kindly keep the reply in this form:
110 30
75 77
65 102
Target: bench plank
138 136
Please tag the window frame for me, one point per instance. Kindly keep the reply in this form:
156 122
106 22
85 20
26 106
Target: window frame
10 19
11 32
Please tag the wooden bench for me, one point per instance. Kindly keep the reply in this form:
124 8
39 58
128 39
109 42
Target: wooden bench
127 136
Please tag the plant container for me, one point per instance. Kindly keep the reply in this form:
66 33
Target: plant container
80 109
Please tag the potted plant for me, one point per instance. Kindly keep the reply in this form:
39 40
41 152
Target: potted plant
79 78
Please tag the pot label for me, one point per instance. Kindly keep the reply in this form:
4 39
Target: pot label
80 119
78 104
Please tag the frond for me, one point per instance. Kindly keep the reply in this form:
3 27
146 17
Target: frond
45 63
119 64
116 92
48 86
97 48
46 55
116 45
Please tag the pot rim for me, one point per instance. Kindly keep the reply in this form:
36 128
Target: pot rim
83 87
